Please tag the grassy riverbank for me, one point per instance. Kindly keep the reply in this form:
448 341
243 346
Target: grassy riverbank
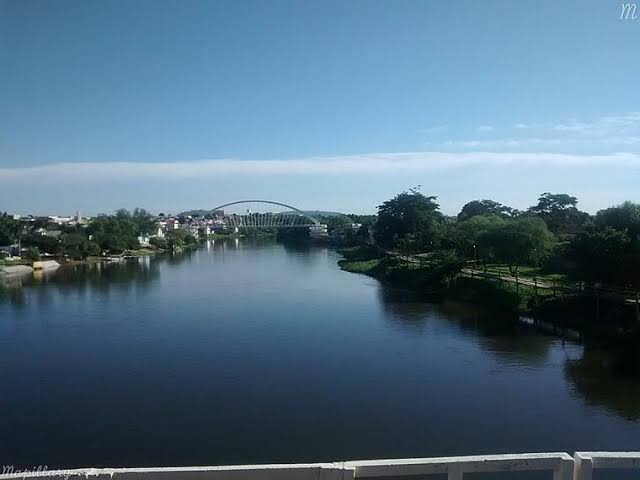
446 281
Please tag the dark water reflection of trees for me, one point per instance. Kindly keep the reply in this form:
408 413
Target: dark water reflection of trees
77 279
607 378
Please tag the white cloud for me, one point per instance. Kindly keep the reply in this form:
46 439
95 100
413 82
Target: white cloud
626 123
374 164
485 128
520 142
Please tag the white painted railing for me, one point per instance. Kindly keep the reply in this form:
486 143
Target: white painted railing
455 467
563 466
586 462
319 471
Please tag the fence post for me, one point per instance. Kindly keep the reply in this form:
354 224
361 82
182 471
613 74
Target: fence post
583 468
637 307
535 288
517 284
565 471
454 473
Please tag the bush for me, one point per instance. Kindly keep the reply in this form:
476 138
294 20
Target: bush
32 254
158 242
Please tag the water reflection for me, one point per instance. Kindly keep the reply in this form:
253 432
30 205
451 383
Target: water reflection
73 279
242 343
605 378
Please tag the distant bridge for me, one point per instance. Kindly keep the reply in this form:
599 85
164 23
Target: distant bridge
265 214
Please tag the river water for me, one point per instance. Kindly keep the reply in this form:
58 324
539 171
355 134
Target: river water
261 353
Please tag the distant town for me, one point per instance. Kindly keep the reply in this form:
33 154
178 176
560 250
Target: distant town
125 233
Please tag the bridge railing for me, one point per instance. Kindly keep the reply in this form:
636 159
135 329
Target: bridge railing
316 471
587 462
455 467
561 464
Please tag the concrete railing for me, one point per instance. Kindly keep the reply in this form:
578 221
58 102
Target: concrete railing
455 467
587 462
563 466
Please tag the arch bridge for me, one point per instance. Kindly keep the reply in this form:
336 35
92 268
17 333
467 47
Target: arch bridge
264 214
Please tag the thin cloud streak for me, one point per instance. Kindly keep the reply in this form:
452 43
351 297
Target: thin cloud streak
537 141
373 164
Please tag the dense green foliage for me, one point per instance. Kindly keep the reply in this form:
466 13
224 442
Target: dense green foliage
410 221
9 229
553 234
608 249
32 254
560 212
120 232
177 239
484 207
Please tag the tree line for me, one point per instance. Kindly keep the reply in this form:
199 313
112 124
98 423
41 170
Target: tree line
552 234
112 234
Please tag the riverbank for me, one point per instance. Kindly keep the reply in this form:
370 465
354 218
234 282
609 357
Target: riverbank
446 280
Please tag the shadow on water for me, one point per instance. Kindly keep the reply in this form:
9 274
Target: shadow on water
607 378
79 278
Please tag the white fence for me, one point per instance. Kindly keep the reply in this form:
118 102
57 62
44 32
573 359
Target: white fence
563 466
586 462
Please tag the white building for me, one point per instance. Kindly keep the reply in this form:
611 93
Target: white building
318 231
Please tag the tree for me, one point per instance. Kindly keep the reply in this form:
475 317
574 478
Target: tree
32 254
608 250
523 241
43 243
144 222
624 218
600 254
560 212
115 233
473 237
158 242
9 229
179 238
483 207
76 245
410 220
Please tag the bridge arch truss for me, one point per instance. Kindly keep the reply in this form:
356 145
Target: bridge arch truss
264 214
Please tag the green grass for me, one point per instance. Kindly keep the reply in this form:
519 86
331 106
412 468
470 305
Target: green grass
361 266
142 252
11 263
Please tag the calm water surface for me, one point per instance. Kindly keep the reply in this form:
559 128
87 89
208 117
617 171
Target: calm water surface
250 353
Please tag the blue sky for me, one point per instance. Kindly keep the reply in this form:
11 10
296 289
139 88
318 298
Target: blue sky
326 105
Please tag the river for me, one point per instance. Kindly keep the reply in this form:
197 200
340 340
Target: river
247 352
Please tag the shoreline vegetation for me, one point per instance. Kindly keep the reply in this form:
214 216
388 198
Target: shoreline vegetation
552 261
433 281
